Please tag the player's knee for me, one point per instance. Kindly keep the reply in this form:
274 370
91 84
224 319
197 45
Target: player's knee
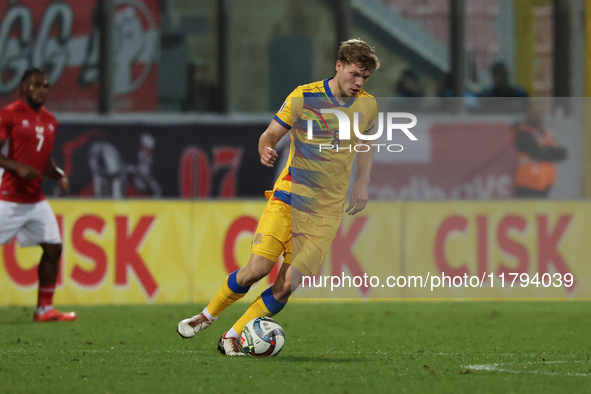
53 251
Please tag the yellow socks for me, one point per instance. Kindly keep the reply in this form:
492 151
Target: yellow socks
264 305
229 293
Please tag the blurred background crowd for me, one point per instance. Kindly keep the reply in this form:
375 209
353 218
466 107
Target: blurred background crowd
166 98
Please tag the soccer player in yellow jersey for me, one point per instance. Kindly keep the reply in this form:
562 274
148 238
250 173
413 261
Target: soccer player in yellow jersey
306 205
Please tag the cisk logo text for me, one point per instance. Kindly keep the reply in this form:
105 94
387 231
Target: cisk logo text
344 130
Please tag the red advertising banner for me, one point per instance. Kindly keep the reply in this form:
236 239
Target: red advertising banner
474 161
62 37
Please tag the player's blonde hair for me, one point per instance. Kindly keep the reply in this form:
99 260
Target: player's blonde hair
358 52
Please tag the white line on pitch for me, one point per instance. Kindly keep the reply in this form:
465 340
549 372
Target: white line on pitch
495 368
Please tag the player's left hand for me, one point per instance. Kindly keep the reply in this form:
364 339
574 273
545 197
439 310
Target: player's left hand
64 185
359 198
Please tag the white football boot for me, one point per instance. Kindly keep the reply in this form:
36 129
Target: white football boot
230 346
189 327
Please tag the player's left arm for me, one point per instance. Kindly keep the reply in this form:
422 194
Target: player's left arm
360 191
54 172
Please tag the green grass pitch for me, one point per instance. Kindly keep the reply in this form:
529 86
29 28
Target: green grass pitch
379 347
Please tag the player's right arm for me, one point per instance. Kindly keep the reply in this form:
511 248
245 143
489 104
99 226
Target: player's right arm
267 143
279 126
24 171
527 143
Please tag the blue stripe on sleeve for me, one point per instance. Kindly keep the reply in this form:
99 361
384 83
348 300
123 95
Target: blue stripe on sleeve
282 123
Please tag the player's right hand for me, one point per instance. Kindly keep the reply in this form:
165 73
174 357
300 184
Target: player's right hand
269 156
27 172
64 185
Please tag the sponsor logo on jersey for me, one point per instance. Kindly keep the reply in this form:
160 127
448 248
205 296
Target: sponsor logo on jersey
258 238
282 106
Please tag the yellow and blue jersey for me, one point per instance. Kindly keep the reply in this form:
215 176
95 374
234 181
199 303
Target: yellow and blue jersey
316 177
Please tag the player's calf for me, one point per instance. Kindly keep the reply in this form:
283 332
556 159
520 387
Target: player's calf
257 268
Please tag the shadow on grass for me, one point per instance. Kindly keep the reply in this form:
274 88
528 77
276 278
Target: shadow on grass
18 322
321 359
16 316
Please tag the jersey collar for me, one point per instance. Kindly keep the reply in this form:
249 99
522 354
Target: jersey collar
22 103
333 99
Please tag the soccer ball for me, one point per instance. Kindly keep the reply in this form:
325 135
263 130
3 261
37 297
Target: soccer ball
262 336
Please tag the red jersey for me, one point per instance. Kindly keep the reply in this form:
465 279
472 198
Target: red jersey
30 137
